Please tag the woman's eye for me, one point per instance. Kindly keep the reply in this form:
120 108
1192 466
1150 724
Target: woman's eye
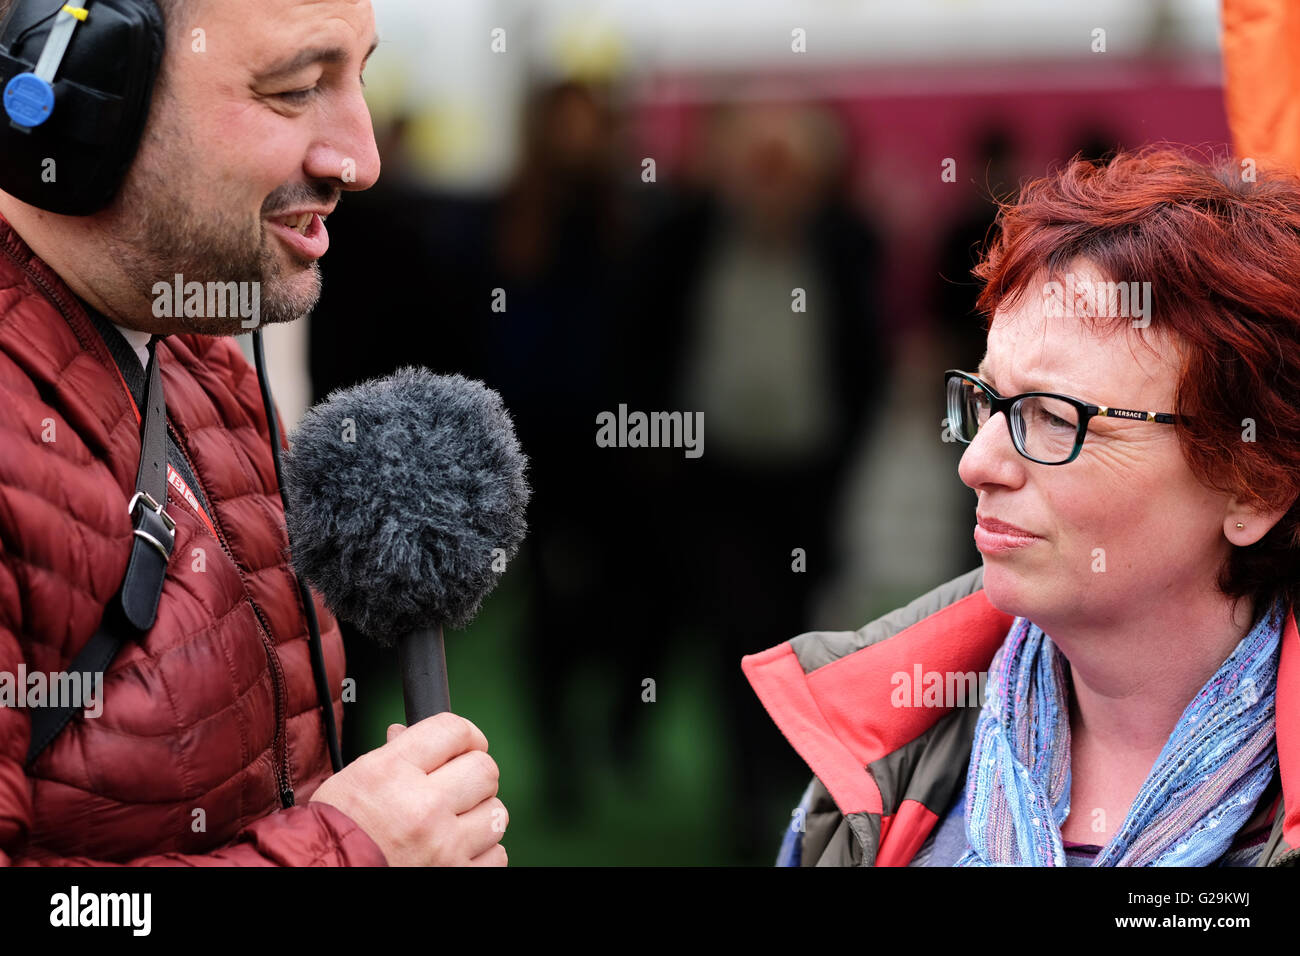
1052 421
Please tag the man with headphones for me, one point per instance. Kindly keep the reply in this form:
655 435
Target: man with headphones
153 153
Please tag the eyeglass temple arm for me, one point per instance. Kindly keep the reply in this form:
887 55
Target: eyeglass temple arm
1105 411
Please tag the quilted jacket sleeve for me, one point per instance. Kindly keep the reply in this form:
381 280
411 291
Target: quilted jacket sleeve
314 834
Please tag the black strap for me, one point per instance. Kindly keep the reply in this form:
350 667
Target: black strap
47 722
153 538
155 532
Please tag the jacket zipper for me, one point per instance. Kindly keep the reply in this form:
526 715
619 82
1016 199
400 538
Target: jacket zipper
283 774
63 305
1289 858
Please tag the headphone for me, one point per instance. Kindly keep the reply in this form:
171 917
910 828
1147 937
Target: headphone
77 81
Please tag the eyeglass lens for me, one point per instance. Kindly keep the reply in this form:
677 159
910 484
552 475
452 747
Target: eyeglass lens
1044 428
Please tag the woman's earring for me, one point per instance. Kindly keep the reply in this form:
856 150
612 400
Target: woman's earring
1240 526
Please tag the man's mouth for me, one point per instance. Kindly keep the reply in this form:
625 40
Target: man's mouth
300 223
304 233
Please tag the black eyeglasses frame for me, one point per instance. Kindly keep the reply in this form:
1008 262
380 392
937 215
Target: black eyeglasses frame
1087 411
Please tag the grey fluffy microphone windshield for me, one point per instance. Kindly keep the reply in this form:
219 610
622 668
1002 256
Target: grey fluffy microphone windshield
406 495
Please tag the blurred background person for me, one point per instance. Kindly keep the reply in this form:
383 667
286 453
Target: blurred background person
759 301
960 329
560 231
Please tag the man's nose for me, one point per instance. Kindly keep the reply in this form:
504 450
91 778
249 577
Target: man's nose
346 152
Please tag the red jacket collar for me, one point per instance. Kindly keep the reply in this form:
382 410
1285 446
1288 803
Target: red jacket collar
823 715
52 286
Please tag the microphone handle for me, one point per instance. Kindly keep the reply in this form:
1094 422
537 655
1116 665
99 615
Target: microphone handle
424 674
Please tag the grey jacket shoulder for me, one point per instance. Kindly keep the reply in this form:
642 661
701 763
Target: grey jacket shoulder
829 838
818 648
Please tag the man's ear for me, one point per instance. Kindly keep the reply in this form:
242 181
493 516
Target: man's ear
1244 523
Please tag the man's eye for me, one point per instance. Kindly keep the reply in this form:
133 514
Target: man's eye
297 97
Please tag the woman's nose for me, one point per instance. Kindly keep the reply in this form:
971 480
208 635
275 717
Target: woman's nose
991 458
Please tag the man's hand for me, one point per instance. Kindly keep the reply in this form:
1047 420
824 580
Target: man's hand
427 797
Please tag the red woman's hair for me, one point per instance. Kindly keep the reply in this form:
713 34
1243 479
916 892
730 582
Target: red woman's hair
1219 241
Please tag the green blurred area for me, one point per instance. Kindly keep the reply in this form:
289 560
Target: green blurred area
658 813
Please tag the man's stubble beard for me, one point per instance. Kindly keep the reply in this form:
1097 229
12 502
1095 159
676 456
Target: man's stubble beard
157 233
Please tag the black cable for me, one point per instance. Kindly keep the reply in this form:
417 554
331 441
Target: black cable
17 41
309 607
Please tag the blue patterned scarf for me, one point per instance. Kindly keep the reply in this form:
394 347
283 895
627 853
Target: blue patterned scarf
1200 792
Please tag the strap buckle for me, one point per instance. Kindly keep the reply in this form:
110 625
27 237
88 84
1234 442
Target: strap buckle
143 497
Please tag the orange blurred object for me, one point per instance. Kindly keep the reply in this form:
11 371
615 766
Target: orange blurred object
1261 64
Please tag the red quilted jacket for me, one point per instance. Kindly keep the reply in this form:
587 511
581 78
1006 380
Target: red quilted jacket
213 713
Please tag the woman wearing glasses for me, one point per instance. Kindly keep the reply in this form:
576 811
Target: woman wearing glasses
1136 467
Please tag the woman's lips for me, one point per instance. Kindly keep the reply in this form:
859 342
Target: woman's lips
996 537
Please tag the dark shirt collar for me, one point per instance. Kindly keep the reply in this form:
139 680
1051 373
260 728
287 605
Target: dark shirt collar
125 357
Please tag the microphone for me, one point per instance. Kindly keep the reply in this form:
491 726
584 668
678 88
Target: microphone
406 497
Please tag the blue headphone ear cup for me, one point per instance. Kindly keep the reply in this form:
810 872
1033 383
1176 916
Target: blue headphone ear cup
74 162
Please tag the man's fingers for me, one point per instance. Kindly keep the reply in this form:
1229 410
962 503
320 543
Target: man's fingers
393 731
431 742
466 780
484 827
493 857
